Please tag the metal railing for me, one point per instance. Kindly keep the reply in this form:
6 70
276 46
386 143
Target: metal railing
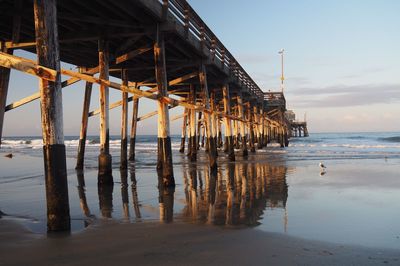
194 25
275 98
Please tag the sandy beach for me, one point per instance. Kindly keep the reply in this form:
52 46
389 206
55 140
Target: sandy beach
275 208
177 244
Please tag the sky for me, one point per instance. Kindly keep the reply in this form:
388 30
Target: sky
342 63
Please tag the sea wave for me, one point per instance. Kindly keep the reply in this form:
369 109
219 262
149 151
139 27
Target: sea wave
345 145
114 144
391 139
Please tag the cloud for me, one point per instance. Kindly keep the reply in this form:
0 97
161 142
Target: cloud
346 96
365 72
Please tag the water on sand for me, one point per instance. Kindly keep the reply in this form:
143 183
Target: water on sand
277 190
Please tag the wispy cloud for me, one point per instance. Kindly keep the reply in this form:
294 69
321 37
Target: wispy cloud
365 72
345 96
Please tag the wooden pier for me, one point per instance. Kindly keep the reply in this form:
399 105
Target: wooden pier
159 50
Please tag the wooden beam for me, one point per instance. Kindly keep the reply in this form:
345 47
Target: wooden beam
28 66
152 90
132 54
131 88
73 80
18 45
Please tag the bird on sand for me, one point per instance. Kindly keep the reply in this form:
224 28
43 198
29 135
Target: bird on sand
322 166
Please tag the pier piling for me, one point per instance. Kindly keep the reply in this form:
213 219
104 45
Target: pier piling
132 141
212 148
124 123
83 131
228 126
105 160
55 166
164 162
242 125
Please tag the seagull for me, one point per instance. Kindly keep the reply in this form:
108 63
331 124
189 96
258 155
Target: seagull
323 167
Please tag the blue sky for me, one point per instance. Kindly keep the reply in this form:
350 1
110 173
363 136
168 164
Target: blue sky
342 63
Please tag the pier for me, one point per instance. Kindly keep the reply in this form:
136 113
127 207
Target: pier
159 50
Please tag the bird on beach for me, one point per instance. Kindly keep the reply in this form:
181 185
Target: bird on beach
322 166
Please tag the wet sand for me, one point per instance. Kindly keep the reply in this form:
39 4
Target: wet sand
152 243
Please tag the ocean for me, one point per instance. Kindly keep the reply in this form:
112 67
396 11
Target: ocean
354 201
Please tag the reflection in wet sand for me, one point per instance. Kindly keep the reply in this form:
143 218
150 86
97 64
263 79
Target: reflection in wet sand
82 193
166 201
124 193
105 192
82 199
135 198
236 195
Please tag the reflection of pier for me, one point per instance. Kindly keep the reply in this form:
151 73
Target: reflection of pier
239 194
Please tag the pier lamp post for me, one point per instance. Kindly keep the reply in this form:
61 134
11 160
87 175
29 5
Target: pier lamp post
282 77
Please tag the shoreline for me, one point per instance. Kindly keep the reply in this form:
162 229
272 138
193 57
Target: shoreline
151 243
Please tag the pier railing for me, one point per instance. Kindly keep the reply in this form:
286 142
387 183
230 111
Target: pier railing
194 25
275 99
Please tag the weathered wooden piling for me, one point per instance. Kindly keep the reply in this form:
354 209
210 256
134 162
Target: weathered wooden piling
257 121
242 125
199 129
184 129
286 137
124 123
47 49
214 122
192 141
4 81
83 131
212 153
132 141
105 160
251 128
281 137
203 134
228 125
260 143
164 161
5 72
220 142
236 130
